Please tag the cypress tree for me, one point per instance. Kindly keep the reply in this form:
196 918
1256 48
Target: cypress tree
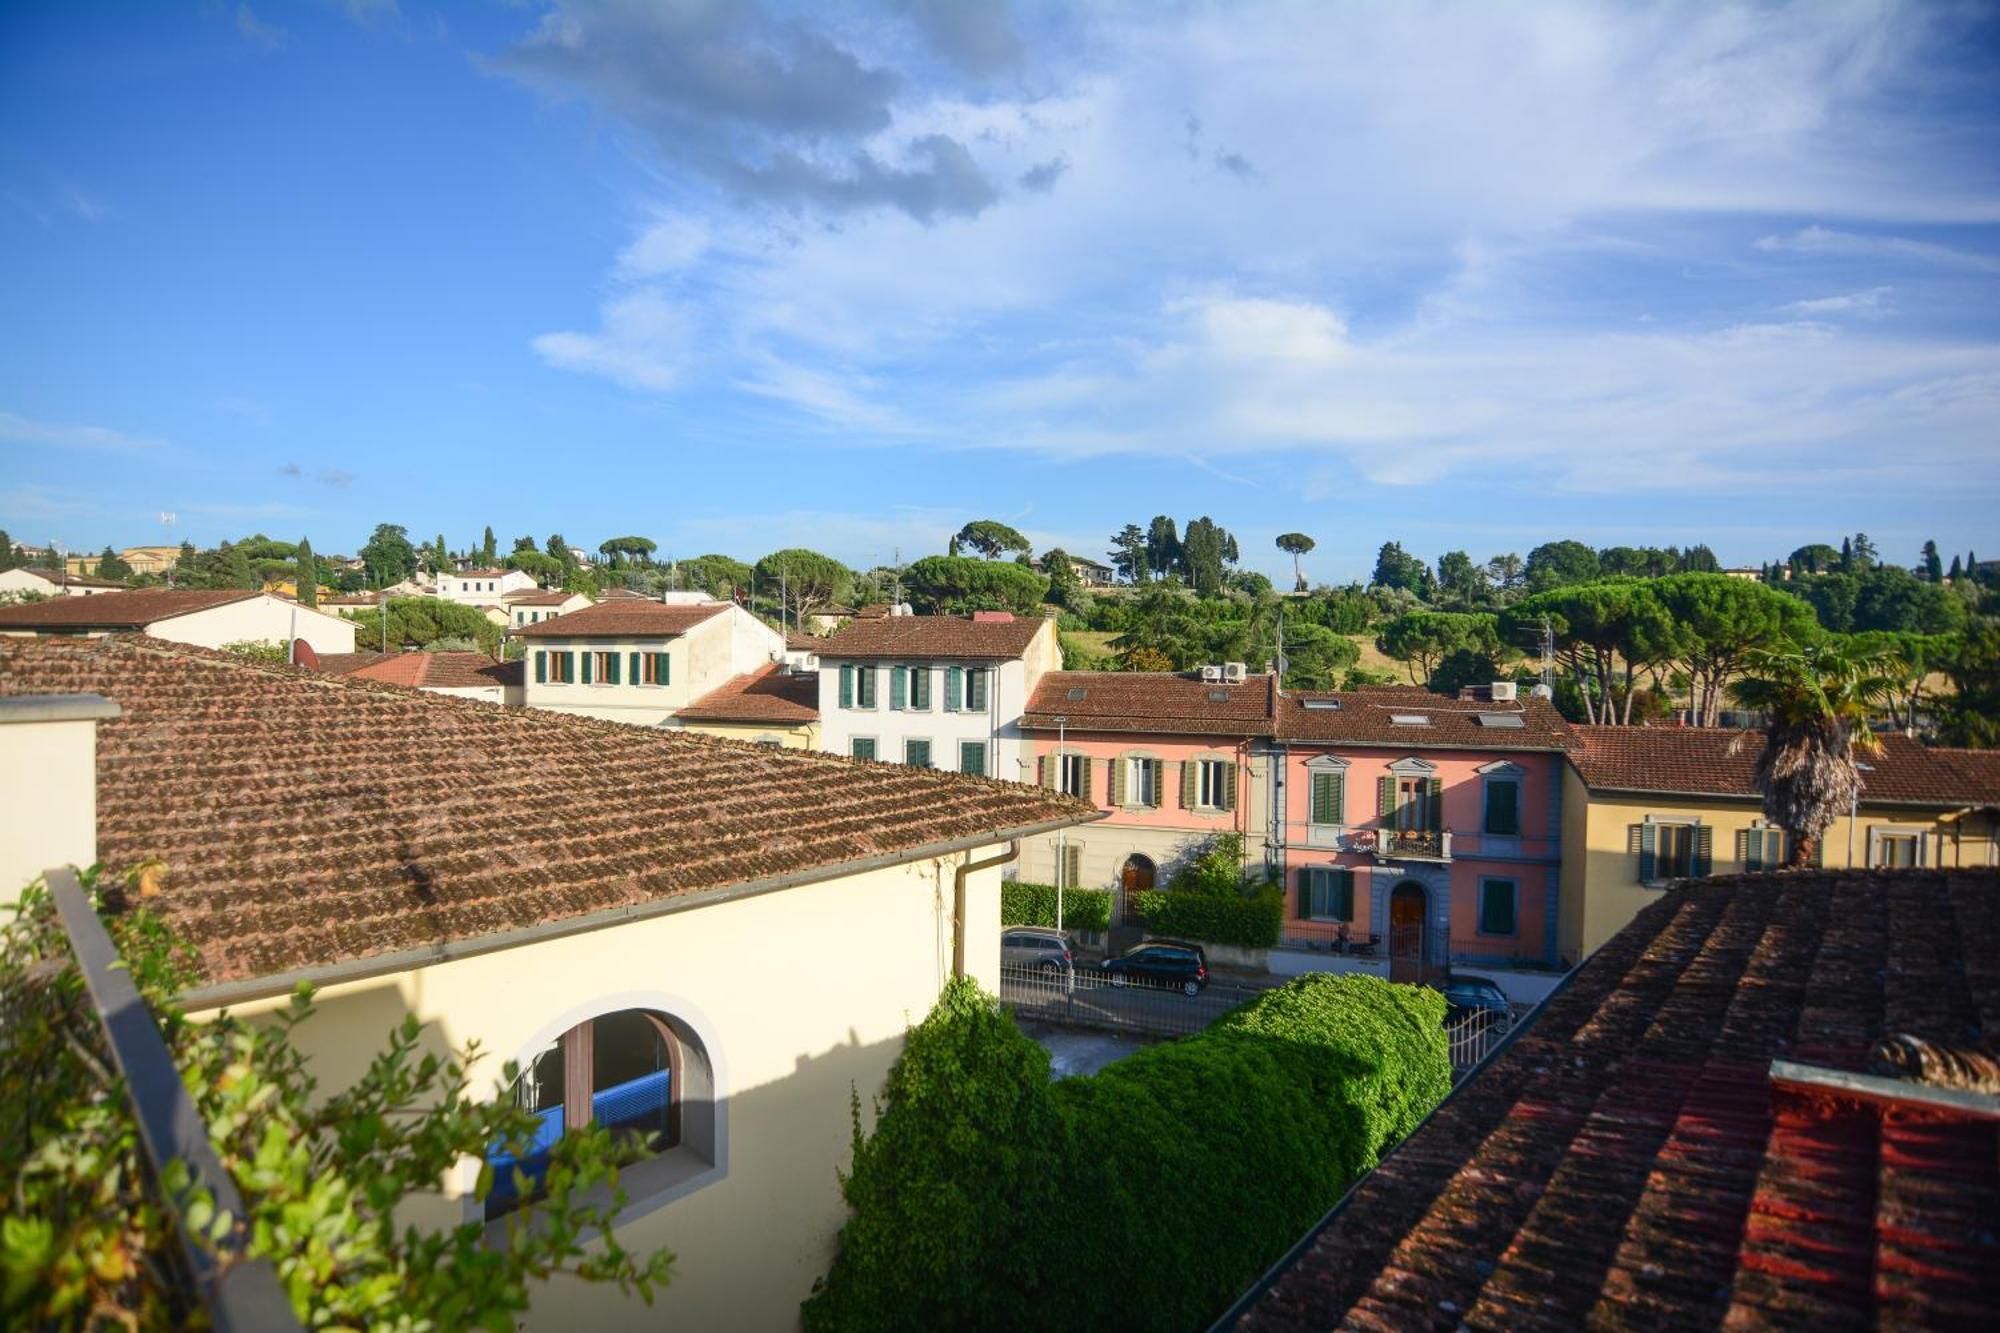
1846 555
1933 567
308 578
1957 570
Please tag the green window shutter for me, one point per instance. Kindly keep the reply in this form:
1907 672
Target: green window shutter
1343 901
1045 771
864 747
1158 768
899 688
1326 798
541 668
1748 843
954 690
920 688
1503 808
846 686
611 668
1496 907
972 758
664 670
1086 768
1229 785
1434 807
1072 864
1305 892
1385 797
975 694
587 666
917 754
1704 849
864 686
633 667
1649 841
1118 767
1190 775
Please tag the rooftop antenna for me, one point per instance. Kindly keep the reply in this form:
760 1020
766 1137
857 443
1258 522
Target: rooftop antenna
1548 659
896 554
167 521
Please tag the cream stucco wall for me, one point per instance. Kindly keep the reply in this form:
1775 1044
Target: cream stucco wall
48 786
259 619
804 736
729 644
1601 888
801 996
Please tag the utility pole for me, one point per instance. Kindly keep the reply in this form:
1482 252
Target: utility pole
1062 776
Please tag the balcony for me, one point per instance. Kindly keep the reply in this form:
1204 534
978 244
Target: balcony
1413 845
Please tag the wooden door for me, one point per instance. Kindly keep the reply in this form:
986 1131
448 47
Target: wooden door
1136 878
1406 933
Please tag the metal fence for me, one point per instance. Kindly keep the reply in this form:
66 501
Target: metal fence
1084 997
1475 1037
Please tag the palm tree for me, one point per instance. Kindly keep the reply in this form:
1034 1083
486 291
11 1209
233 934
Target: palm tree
1819 700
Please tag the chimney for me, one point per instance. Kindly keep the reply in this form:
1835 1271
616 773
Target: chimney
48 784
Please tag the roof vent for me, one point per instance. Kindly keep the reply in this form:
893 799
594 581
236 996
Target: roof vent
1324 705
1077 695
1502 720
1218 696
1410 719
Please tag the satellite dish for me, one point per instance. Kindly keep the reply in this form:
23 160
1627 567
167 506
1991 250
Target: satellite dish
304 656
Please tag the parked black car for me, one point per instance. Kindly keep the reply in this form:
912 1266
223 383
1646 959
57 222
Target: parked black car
1165 963
1470 999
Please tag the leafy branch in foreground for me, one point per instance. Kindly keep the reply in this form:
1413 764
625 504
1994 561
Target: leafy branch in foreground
87 1240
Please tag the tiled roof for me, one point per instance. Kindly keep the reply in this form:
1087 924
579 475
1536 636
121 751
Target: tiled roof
622 595
774 694
1391 718
1711 761
933 637
341 664
119 610
803 643
1628 1162
481 573
622 619
538 597
53 578
442 671
310 820
1149 701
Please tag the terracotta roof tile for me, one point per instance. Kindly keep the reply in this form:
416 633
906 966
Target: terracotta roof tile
538 597
622 619
441 671
132 610
1629 1162
1711 761
341 664
933 637
1371 717
774 694
72 580
308 820
1149 701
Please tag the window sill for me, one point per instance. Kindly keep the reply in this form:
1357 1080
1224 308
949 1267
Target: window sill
649 1186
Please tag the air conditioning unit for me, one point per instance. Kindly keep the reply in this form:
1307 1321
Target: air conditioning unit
1503 691
1234 672
1211 673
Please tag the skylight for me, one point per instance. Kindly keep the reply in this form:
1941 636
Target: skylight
1326 705
1410 719
1502 720
1078 694
1218 696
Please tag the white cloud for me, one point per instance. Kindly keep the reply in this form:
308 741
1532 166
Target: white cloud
16 429
1869 302
644 344
667 246
264 36
1825 241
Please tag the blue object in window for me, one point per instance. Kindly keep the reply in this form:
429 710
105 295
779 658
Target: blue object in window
639 1103
534 1163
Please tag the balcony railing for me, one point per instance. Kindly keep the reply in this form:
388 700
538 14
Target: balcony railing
1425 844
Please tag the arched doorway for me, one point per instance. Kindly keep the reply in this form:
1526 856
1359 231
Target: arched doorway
1135 877
1408 960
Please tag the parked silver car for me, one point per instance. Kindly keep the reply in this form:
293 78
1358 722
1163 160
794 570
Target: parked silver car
1042 947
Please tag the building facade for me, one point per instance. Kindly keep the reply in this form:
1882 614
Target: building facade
641 662
204 617
537 604
935 691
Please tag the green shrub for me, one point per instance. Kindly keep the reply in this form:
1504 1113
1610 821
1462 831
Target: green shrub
1253 922
1035 905
1216 868
988 1198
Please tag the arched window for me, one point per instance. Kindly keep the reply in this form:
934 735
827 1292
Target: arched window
629 1070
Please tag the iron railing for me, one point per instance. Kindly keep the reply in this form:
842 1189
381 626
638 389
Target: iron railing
1082 996
1474 1037
1414 842
238 1292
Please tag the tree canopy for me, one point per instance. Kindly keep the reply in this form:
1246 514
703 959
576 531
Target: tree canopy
991 539
805 581
956 584
388 555
1422 639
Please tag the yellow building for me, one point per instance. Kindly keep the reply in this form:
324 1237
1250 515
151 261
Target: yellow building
775 706
713 944
1644 807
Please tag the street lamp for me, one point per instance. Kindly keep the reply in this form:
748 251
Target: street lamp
1062 775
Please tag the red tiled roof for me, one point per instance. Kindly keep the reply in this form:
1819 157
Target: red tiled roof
481 573
71 580
305 819
1628 1161
1711 761
933 637
1369 717
132 610
622 595
342 664
1149 701
441 671
775 695
622 619
538 597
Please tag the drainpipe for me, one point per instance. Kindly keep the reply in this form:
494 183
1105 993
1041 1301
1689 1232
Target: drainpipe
1013 852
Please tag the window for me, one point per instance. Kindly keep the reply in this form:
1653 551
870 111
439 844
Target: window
1326 893
1672 849
864 687
1763 847
1414 804
917 754
1328 797
862 747
601 667
972 757
650 669
1497 900
1675 857
1897 851
1142 783
622 1070
920 689
1503 807
975 689
1073 775
1214 784
556 668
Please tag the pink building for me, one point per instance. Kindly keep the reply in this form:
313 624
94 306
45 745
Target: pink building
1427 826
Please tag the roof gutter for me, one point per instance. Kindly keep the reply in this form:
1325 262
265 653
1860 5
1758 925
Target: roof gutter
958 878
408 960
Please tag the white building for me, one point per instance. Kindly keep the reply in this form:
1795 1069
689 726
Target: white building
204 617
537 605
50 583
934 691
641 661
483 588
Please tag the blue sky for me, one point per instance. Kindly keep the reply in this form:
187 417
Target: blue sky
737 276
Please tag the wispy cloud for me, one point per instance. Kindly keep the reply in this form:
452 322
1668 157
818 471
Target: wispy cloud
1869 302
264 36
329 476
16 429
1825 241
643 343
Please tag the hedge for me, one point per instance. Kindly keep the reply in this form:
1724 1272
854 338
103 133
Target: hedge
988 1197
1216 918
1035 905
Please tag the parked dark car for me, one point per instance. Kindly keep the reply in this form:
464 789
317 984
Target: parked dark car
1470 999
1169 964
